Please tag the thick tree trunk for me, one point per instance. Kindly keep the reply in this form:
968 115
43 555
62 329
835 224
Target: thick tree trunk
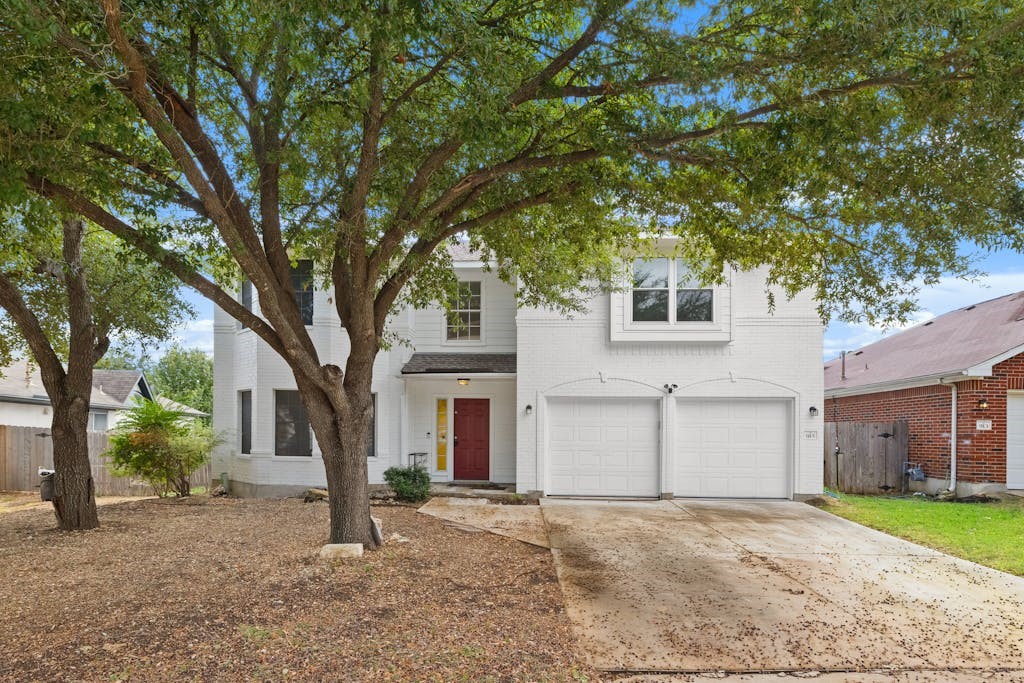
342 420
344 446
74 501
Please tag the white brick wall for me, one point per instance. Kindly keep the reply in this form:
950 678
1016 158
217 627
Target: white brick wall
769 356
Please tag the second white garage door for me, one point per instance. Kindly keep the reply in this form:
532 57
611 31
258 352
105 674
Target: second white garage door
603 447
733 448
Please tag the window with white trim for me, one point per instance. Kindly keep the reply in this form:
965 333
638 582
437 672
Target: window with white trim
465 313
664 291
100 420
291 425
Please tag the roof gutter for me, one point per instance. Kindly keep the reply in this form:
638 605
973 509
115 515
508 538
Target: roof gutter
910 383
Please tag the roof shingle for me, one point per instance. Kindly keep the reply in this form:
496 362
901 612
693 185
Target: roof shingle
950 343
427 363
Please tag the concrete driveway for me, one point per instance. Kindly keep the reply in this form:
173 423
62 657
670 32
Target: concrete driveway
691 586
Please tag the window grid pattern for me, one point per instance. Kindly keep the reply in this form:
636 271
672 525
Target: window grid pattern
465 313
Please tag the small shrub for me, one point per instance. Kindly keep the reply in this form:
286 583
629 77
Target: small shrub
411 484
156 444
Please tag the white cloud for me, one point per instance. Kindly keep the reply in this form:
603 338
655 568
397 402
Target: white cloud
196 334
947 295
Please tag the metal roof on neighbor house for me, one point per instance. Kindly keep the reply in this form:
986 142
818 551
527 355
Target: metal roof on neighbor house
950 343
434 363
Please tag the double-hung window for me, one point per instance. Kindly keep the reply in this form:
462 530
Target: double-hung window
465 313
665 292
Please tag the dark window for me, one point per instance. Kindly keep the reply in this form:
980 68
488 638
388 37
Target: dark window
302 283
464 313
245 297
650 290
371 441
245 419
291 425
656 282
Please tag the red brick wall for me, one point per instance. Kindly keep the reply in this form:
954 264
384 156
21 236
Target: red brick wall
981 455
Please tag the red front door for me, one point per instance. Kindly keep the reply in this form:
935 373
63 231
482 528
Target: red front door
472 438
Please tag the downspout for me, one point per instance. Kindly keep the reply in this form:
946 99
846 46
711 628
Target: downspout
952 438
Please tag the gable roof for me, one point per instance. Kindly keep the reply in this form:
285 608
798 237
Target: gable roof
953 343
120 383
432 363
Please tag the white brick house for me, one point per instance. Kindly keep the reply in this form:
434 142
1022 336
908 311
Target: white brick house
664 390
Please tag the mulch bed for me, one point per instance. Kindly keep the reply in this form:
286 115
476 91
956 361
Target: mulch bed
231 589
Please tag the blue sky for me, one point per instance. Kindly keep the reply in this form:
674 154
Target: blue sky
1005 275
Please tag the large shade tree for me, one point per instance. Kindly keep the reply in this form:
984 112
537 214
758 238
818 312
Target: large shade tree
852 148
66 290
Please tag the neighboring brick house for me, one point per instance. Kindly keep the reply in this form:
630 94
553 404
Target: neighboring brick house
665 388
970 361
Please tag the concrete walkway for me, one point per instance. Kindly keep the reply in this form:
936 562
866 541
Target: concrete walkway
521 522
691 586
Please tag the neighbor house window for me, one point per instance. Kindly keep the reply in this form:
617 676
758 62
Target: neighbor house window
464 313
245 421
291 425
99 421
664 291
302 283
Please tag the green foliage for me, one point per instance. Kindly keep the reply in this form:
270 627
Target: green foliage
410 483
987 533
855 149
132 300
159 446
184 375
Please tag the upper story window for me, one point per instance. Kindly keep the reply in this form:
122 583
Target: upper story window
665 292
245 298
465 313
302 283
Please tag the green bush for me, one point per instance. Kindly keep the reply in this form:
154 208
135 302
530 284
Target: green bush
159 446
411 484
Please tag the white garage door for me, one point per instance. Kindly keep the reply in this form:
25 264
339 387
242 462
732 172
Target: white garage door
1015 441
733 448
603 447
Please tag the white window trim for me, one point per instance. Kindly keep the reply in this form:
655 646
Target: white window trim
252 419
623 329
482 341
673 288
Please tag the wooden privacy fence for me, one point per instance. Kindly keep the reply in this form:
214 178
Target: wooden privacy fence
23 450
860 459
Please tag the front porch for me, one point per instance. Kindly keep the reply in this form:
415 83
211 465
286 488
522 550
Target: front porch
460 416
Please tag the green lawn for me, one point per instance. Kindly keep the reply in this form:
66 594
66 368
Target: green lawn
987 533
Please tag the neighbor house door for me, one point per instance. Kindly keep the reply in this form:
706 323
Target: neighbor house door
472 442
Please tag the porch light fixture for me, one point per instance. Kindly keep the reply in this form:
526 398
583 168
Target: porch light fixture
983 403
812 411
529 409
463 381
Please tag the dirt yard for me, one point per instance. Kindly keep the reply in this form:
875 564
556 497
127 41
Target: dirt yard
228 589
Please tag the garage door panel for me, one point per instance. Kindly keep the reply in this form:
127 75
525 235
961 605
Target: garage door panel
736 448
1015 441
612 451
